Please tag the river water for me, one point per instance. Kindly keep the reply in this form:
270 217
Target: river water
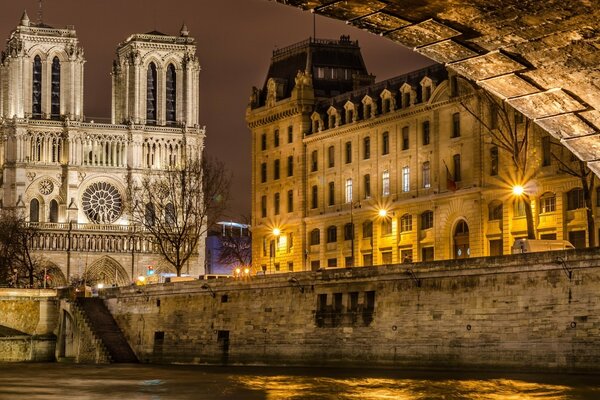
149 382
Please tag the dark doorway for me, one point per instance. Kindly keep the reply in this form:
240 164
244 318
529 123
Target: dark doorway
577 239
461 240
223 343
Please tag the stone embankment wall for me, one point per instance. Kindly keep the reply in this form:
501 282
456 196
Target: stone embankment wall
528 311
28 319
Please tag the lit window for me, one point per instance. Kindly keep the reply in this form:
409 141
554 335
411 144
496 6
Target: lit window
348 190
426 175
548 203
406 179
406 223
385 183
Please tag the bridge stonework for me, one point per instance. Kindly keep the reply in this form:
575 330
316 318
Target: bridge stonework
28 319
533 311
541 57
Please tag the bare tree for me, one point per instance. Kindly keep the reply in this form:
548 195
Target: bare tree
176 207
236 248
17 261
510 132
579 169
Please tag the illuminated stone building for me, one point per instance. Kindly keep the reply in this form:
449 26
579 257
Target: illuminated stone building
71 176
348 172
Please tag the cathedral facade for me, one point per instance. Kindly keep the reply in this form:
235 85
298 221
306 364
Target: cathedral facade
348 172
71 176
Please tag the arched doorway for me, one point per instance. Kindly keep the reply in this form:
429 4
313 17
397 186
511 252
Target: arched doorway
106 271
462 248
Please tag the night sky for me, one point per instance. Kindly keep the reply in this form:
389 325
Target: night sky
235 40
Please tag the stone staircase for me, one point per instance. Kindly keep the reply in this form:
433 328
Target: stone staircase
104 327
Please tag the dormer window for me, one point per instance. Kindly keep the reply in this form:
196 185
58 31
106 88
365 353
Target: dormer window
333 122
427 87
387 104
368 107
317 122
406 92
349 112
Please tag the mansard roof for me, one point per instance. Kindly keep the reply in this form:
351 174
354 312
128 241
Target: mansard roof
332 64
436 72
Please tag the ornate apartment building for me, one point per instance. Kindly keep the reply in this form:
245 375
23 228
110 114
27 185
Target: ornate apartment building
348 172
70 176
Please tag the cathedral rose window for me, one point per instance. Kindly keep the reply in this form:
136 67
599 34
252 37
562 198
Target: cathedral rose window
102 203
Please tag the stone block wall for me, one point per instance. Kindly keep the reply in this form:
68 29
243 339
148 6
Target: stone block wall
28 318
529 311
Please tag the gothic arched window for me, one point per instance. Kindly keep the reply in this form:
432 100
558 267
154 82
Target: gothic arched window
34 210
150 214
171 94
55 100
151 95
36 88
170 216
53 211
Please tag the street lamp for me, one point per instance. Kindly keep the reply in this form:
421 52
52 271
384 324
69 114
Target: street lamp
518 190
276 232
353 205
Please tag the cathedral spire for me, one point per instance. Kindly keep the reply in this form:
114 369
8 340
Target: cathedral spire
41 14
184 31
24 18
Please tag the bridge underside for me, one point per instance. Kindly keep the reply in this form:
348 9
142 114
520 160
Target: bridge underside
542 57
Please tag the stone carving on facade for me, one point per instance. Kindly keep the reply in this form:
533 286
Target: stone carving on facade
30 176
46 187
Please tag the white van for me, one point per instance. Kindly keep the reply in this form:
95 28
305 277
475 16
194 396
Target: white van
534 245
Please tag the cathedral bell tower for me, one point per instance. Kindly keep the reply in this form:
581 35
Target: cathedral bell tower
155 80
41 73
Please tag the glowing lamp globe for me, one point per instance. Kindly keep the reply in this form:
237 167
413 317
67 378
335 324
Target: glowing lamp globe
518 190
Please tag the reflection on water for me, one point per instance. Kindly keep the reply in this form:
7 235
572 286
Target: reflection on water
132 382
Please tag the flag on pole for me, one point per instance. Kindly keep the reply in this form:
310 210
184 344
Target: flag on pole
450 182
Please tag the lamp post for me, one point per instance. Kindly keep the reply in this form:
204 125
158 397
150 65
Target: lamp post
519 191
276 232
352 206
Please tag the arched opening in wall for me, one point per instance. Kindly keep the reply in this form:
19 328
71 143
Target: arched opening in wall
66 337
54 276
53 216
462 248
55 90
171 95
36 88
34 210
151 95
106 271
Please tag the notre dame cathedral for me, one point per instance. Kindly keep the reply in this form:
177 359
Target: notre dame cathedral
69 175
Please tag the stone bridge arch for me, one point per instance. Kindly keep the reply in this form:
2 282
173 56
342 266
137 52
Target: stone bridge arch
540 57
